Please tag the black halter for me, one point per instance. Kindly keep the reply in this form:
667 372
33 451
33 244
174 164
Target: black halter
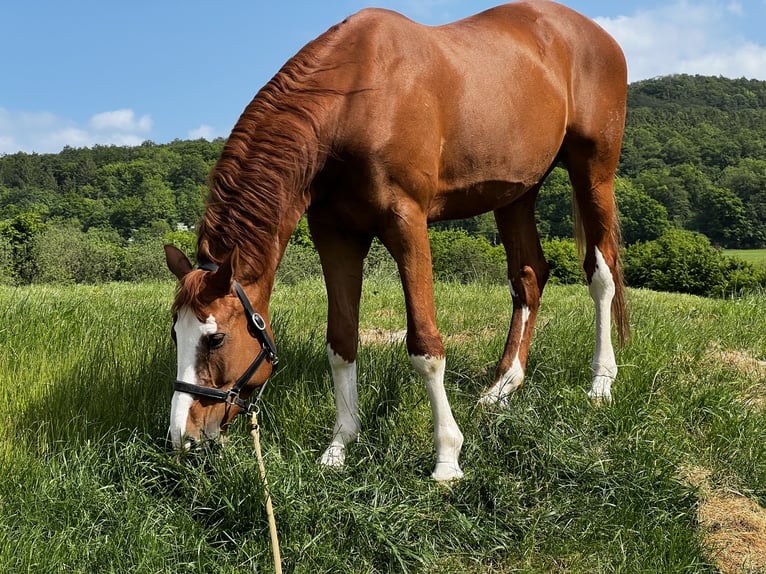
256 326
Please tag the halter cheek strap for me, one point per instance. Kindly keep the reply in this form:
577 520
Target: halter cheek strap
256 326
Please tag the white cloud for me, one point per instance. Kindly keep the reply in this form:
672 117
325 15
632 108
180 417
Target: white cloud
203 132
686 37
44 132
122 121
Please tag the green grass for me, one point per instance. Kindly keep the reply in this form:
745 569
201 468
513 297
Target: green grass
87 483
754 256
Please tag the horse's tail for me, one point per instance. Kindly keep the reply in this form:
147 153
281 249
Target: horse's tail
619 304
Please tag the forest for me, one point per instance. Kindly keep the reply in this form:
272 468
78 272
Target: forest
693 166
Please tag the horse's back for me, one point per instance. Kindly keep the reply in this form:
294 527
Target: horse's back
535 58
489 98
541 28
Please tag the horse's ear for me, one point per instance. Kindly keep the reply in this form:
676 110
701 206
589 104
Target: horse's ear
177 262
227 272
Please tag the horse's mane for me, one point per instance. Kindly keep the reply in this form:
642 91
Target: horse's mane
267 162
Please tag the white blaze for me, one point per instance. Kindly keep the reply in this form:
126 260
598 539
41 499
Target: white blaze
189 332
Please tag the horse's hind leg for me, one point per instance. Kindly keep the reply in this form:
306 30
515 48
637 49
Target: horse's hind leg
591 165
342 259
527 275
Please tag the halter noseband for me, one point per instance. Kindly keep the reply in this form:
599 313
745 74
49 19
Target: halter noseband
256 326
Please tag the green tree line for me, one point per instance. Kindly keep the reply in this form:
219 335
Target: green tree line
693 159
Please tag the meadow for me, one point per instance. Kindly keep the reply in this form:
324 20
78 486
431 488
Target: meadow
754 256
553 483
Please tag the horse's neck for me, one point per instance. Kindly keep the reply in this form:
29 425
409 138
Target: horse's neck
280 156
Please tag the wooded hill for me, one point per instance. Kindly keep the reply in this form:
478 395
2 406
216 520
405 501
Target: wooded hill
694 157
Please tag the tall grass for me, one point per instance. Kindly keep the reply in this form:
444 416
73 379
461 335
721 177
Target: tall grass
88 484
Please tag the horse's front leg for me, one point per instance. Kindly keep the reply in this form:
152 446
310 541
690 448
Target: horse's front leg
407 240
347 426
342 257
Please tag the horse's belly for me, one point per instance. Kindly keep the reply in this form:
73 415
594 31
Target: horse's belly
474 200
490 177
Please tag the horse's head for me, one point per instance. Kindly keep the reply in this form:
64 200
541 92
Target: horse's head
224 348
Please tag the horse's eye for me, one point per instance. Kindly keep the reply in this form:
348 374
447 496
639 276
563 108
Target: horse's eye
215 341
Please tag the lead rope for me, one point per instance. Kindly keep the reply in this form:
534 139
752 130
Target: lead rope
256 434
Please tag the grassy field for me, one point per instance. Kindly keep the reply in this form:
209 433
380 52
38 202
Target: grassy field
754 256
553 484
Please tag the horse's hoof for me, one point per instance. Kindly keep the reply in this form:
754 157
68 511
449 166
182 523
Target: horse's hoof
334 457
598 399
447 471
494 401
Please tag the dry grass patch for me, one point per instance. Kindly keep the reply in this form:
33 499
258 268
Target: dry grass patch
735 532
381 336
751 369
741 361
733 525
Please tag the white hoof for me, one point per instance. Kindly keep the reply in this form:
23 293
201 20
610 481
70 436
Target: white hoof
601 390
446 471
498 395
334 456
491 399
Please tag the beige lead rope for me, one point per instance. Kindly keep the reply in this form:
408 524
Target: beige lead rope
255 433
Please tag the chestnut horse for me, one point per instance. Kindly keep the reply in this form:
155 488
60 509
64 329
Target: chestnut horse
376 128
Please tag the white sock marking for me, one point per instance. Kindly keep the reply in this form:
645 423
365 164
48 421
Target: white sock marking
448 439
604 365
513 378
347 423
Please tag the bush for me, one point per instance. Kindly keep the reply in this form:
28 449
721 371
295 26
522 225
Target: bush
379 263
565 266
58 254
686 262
299 262
103 257
457 256
145 261
63 254
6 261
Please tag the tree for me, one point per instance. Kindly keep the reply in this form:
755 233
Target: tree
671 192
723 218
20 233
554 206
565 266
642 218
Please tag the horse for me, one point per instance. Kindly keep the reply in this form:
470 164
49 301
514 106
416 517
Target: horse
373 130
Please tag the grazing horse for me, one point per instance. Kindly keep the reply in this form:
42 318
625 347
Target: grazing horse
376 128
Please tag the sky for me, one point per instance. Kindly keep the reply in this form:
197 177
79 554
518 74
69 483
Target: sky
87 72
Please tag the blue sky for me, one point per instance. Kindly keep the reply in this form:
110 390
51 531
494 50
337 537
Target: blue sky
88 72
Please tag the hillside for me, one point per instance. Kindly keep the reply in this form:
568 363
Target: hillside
694 157
696 145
